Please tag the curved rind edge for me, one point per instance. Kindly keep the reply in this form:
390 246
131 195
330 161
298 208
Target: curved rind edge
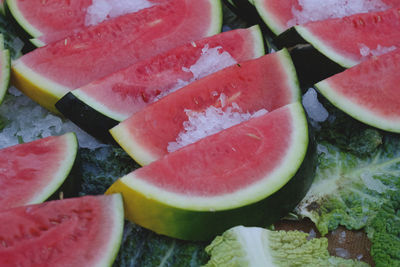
216 14
292 79
324 48
246 196
5 70
29 28
37 42
355 110
43 91
71 143
117 213
259 48
268 18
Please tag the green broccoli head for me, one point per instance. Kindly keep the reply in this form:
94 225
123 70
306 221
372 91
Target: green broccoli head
253 246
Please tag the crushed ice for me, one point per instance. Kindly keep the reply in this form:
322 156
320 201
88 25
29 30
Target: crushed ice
27 121
315 10
315 110
210 121
365 51
211 60
101 10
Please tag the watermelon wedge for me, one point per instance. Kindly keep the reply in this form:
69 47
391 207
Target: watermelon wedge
49 21
368 92
49 72
350 40
84 231
281 15
4 68
268 82
238 176
116 97
30 173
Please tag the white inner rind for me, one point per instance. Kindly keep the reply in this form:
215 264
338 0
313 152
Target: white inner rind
290 70
39 81
356 110
19 17
265 187
324 48
116 213
268 17
71 147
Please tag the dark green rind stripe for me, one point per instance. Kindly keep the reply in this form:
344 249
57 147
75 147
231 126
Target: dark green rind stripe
86 117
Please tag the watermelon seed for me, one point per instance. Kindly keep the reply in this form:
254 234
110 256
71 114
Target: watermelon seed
253 136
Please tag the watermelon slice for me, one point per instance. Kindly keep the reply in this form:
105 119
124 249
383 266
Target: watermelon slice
49 21
4 69
350 40
84 231
49 72
369 91
30 173
123 93
268 82
237 176
281 15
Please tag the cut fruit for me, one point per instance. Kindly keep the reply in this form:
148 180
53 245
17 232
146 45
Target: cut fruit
123 93
268 82
4 69
281 15
84 231
350 40
49 72
368 92
49 21
30 173
238 176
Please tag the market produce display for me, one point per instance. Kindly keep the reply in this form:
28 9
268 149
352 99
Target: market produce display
228 161
31 172
121 94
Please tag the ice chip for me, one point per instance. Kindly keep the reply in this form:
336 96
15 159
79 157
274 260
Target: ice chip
313 107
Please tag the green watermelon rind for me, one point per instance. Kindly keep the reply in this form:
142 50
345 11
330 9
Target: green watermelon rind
37 42
268 17
324 48
18 16
357 111
71 146
254 193
117 213
5 70
144 157
258 47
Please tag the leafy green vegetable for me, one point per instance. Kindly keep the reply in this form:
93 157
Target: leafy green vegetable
358 192
253 246
144 248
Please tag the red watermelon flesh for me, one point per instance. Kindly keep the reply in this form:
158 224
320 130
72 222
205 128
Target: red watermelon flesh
112 45
369 91
281 15
125 92
53 20
32 172
218 157
350 40
268 82
82 231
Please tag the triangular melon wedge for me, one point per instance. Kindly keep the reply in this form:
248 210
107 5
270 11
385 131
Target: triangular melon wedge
84 231
241 175
48 73
368 92
268 82
31 172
